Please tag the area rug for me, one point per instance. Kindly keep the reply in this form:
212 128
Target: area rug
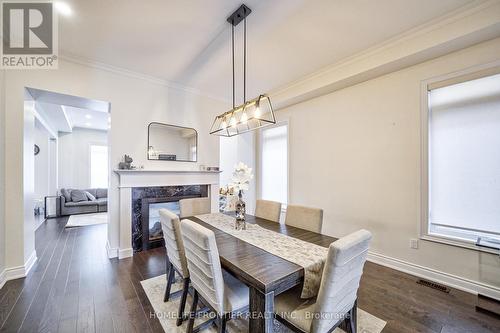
83 220
166 312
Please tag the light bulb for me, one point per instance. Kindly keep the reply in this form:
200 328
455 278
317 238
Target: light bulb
244 118
232 122
257 112
224 124
63 8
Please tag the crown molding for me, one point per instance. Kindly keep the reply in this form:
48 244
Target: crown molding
135 75
432 39
311 86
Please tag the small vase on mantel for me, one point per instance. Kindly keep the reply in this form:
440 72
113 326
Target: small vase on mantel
240 211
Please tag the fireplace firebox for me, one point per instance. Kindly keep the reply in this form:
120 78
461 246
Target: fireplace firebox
146 203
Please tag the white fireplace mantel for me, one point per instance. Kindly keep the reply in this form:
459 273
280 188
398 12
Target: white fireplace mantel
144 177
129 179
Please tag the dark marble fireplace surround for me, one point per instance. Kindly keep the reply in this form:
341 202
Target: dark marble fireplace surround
143 196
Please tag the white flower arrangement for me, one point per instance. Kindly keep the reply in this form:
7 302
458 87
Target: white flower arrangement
242 176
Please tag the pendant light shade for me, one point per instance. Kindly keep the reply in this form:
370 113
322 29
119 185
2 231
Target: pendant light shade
252 114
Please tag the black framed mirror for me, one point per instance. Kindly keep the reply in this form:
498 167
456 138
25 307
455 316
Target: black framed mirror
172 143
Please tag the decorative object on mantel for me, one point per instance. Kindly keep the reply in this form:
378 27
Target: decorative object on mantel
252 114
240 182
126 164
209 169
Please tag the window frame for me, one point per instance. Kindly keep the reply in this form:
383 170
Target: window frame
468 74
284 122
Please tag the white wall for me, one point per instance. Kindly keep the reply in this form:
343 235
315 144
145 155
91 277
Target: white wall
135 102
53 167
42 160
356 154
26 187
74 153
2 173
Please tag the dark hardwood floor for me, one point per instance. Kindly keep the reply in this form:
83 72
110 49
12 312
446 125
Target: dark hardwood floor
74 287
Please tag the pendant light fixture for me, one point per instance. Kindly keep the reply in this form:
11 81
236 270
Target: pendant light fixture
252 114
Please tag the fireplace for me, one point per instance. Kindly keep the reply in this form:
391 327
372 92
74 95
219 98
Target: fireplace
146 203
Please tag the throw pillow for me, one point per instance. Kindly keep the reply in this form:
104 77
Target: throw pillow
66 194
78 195
101 193
89 196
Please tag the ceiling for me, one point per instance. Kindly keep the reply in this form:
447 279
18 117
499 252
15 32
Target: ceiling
188 42
64 119
63 113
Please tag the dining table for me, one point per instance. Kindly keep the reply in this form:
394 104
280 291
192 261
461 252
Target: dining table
266 275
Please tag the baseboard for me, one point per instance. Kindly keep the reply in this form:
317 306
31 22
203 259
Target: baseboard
450 280
28 265
125 253
3 278
18 272
112 251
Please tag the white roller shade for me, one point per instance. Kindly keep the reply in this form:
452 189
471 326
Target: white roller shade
464 155
274 164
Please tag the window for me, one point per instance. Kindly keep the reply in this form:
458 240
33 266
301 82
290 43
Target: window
463 159
274 163
98 166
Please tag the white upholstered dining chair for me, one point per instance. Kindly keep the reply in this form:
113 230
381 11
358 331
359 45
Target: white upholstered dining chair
194 206
269 210
221 292
176 258
336 302
304 217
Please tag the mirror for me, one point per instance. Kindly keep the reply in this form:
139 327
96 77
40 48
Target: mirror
172 143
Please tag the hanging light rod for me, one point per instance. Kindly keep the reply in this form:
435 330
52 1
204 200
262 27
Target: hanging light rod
252 114
239 15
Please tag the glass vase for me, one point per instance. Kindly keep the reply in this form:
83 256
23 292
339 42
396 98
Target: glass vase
240 211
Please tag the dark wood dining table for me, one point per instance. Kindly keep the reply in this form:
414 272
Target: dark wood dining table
266 274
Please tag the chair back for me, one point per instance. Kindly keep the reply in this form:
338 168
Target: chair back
171 228
269 210
340 280
204 263
304 217
194 206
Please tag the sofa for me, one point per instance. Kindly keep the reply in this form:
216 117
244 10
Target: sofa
73 201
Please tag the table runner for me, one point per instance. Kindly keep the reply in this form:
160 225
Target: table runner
310 256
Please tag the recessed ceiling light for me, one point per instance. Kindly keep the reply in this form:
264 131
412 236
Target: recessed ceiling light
63 8
88 116
88 124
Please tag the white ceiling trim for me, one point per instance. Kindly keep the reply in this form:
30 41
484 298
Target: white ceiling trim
425 28
42 121
65 114
136 75
293 89
427 41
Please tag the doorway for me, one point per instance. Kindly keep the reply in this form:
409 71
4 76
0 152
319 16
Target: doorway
70 168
